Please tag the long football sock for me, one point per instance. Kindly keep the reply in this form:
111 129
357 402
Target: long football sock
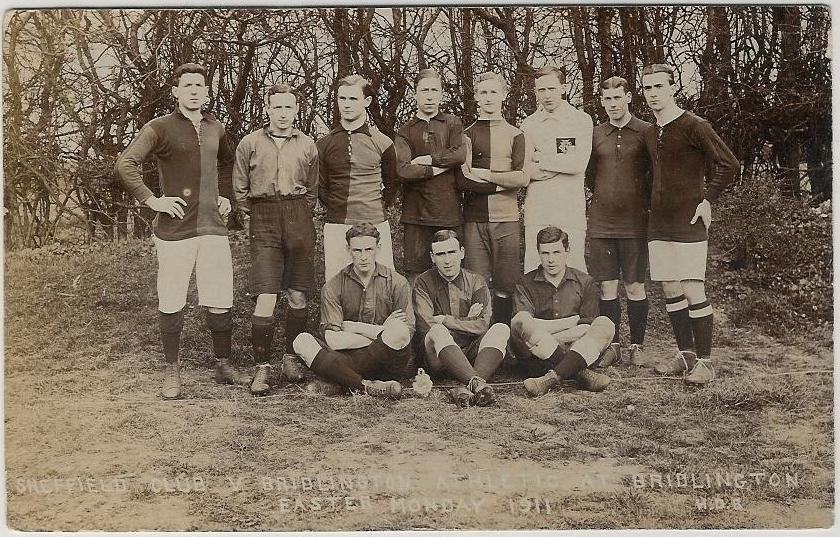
295 324
637 314
456 363
487 361
333 367
680 321
570 365
262 336
702 324
612 310
171 325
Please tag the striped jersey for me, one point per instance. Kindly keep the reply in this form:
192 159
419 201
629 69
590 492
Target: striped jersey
193 164
498 146
357 173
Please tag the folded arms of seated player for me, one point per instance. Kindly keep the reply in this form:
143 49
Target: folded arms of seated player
477 320
356 334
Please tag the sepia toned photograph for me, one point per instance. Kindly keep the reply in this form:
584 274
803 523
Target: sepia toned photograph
418 268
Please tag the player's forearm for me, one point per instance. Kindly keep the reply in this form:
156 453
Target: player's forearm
510 179
568 164
369 330
552 326
572 334
450 157
341 340
477 326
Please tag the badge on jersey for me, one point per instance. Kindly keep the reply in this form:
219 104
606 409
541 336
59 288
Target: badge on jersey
564 145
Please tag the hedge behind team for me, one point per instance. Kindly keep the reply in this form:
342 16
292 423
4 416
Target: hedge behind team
281 175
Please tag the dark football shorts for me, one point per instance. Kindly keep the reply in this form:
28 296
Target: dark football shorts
618 259
282 245
377 361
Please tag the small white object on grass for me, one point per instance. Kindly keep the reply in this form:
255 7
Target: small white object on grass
422 384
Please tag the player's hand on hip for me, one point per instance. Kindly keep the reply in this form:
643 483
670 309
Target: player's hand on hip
703 211
224 205
438 319
171 205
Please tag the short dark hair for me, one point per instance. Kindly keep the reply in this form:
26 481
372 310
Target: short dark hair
358 80
492 75
444 235
365 229
427 73
188 68
659 68
550 70
282 87
551 234
614 82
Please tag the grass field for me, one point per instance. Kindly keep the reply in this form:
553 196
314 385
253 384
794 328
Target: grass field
89 445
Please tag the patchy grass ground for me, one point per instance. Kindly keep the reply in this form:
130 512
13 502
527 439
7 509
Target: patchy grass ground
90 446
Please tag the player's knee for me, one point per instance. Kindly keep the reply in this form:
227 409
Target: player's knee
602 328
609 290
520 321
497 337
695 291
396 334
306 346
219 320
635 290
297 299
265 305
522 325
439 337
672 289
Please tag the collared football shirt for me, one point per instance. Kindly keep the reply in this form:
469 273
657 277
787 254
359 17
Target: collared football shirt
193 164
562 138
682 151
435 295
357 173
577 294
346 298
267 165
427 199
619 177
500 147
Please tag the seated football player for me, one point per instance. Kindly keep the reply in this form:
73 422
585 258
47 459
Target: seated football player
453 318
366 322
557 330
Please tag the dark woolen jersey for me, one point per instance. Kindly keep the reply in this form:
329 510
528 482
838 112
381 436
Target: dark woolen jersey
430 200
497 146
576 294
357 174
619 178
682 151
194 165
